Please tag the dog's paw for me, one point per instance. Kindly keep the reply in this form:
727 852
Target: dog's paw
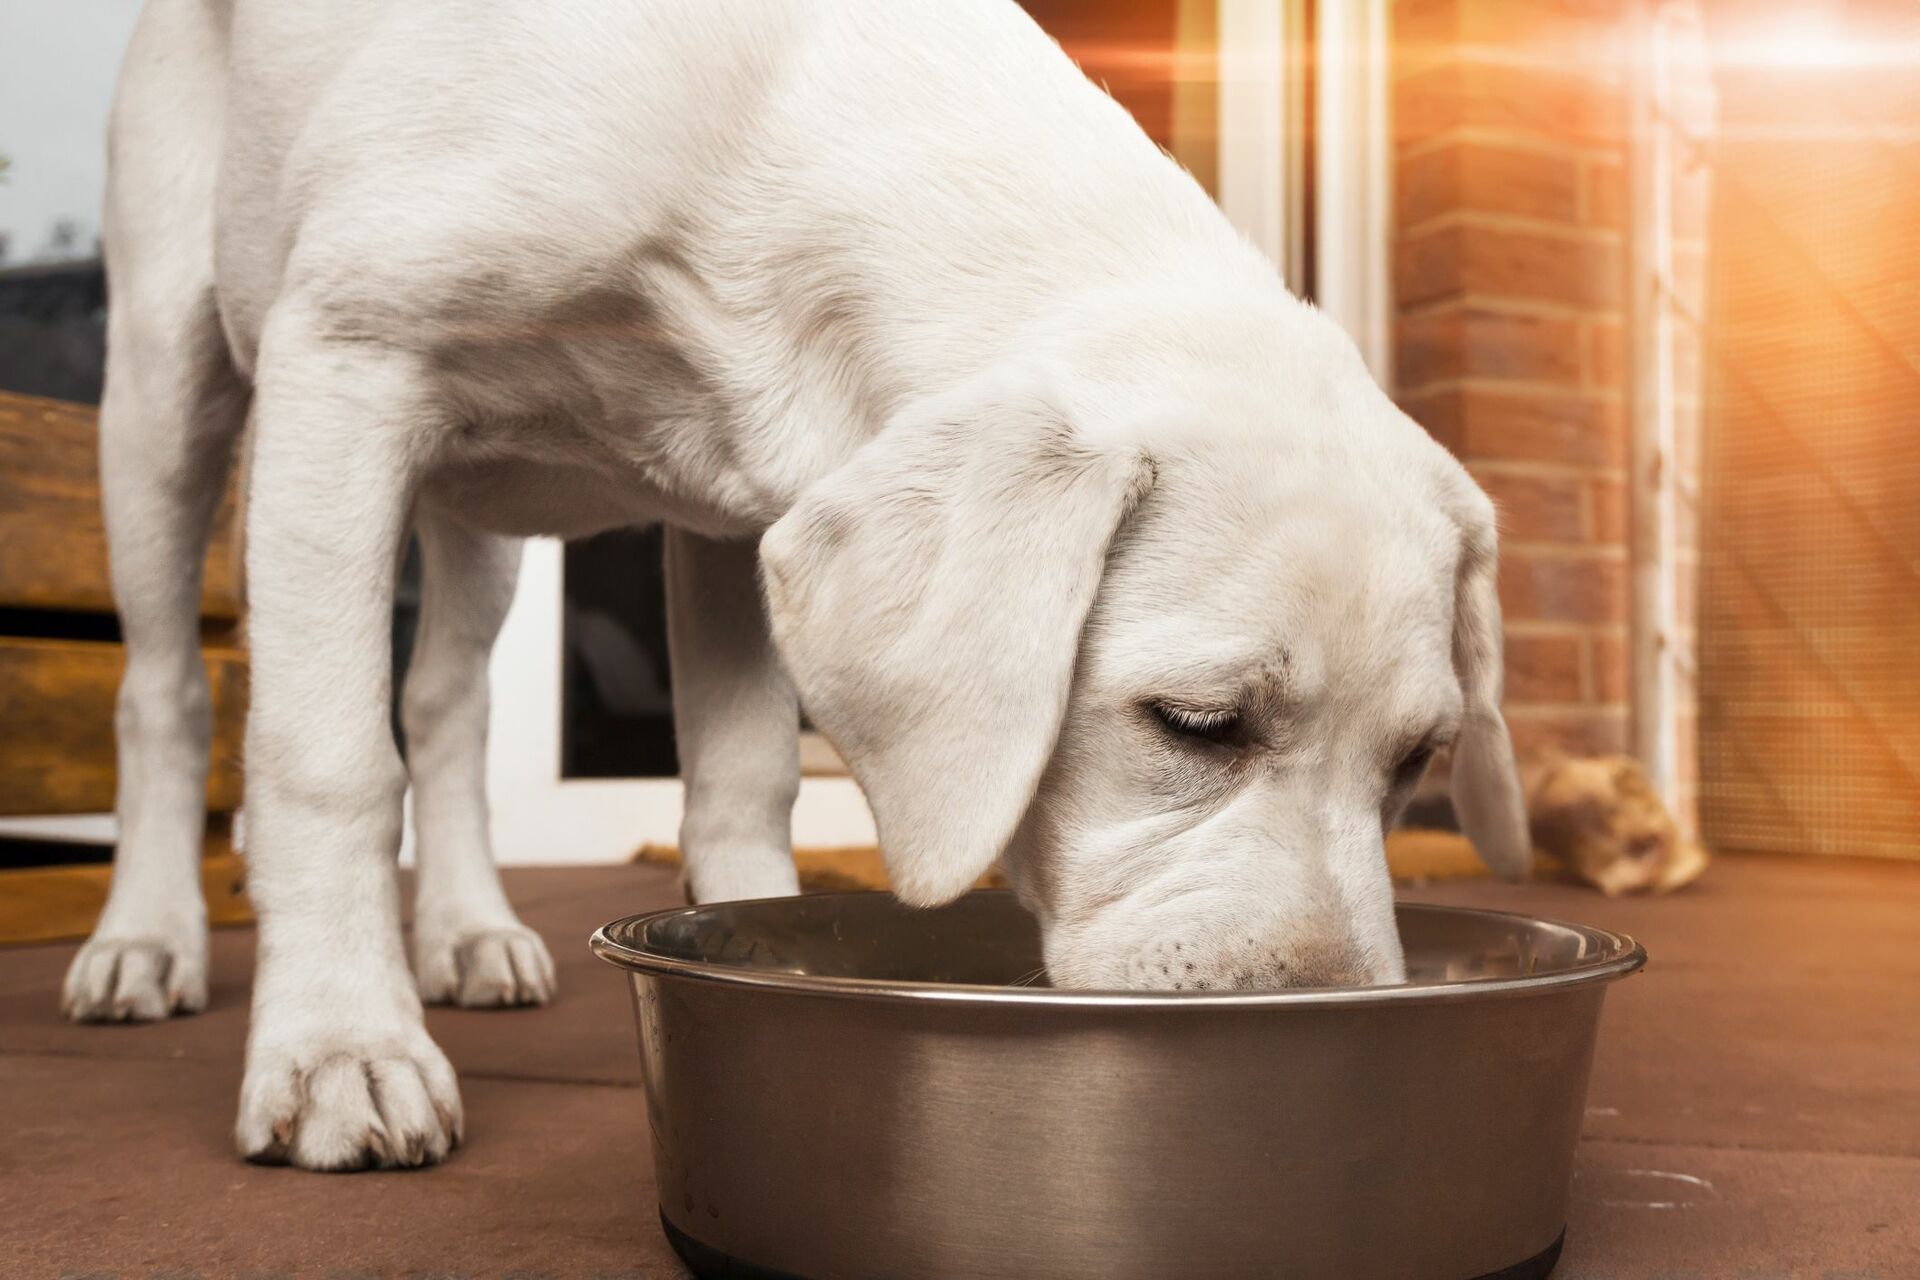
482 968
136 979
347 1100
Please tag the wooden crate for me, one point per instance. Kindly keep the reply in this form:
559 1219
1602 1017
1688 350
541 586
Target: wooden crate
56 701
53 544
60 903
61 661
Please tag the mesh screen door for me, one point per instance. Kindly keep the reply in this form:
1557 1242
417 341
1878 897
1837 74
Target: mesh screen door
1810 542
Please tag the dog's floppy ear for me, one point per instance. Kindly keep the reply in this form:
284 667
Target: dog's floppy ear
927 599
1486 785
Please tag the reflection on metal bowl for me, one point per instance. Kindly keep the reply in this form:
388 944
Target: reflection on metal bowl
839 1087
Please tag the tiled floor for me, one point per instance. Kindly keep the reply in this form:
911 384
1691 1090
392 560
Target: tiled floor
1755 1109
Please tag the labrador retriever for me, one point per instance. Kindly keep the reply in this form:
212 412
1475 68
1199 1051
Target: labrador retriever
975 428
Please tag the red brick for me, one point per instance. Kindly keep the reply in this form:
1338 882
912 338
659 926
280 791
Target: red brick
1426 186
1542 426
1544 668
1549 587
1427 266
1535 508
1608 502
1606 355
1611 666
1599 732
1535 102
1429 347
1488 179
1585 35
1424 31
1523 347
1522 264
1426 103
1605 193
1498 424
1505 262
1475 340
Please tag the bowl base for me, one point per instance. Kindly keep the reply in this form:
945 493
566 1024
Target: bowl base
711 1264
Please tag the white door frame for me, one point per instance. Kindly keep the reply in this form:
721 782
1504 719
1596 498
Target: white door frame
1353 177
1259 127
540 817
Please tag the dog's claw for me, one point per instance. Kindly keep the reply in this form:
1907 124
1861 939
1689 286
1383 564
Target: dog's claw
352 1107
486 968
134 980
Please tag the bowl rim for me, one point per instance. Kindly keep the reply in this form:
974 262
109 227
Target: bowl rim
1617 955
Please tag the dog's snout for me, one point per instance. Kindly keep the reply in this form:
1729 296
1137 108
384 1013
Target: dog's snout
1254 963
1328 962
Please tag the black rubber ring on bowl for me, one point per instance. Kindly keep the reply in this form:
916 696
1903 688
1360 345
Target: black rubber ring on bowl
711 1264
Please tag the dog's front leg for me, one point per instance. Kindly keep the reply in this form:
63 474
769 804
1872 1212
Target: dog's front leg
736 723
468 946
340 1071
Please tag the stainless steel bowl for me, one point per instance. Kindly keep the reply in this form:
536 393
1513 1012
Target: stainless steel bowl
840 1087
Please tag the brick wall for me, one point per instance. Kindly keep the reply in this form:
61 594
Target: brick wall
1508 277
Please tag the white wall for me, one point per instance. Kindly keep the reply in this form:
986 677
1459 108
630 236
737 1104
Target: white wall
58 59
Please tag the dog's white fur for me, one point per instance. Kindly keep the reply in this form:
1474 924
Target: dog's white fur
1042 453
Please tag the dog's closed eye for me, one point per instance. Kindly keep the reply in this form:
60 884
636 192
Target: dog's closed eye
1408 771
1412 764
1217 725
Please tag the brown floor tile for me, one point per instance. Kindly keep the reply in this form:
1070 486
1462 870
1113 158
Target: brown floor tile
583 1039
1647 1211
1777 1010
1769 1051
123 1169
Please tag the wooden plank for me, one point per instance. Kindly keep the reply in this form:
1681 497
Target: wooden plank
57 904
53 544
56 725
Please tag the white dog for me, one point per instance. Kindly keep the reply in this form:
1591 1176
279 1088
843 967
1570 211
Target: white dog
1091 549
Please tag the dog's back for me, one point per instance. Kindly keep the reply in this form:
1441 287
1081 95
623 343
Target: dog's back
389 147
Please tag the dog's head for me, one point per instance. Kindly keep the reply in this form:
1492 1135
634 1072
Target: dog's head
1178 671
